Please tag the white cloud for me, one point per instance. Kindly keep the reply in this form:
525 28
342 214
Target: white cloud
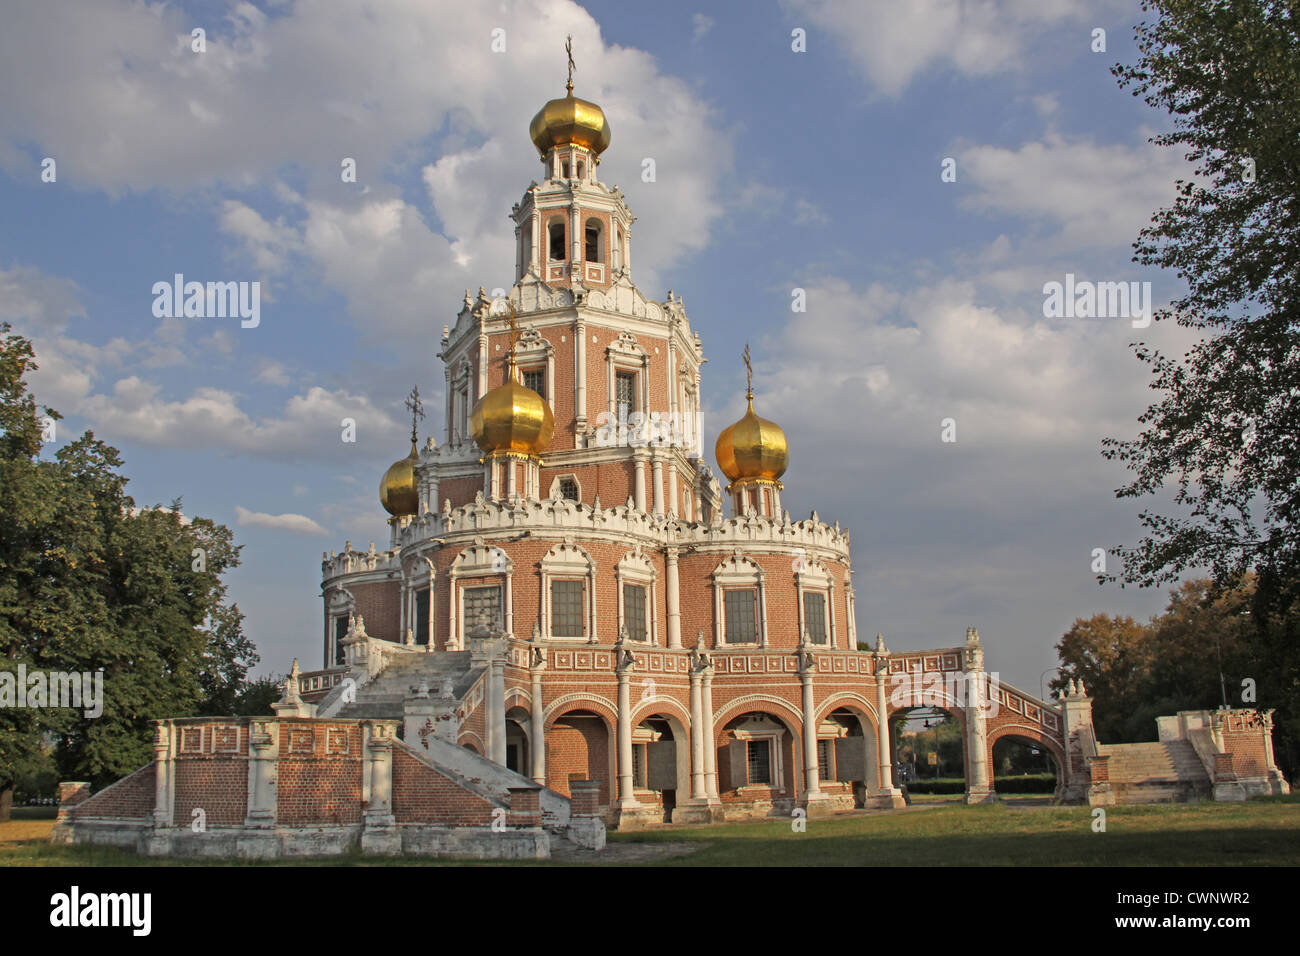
308 427
297 524
1095 194
125 105
892 42
701 25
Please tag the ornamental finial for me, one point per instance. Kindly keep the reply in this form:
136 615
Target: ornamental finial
417 411
568 48
749 375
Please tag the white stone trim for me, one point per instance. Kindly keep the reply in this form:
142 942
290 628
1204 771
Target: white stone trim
738 572
478 561
635 568
566 561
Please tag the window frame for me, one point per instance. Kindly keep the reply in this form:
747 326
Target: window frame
569 561
636 568
727 595
581 607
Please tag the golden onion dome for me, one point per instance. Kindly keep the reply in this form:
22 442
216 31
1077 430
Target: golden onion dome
570 121
397 491
752 448
512 418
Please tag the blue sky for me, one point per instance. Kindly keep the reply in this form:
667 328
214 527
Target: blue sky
775 170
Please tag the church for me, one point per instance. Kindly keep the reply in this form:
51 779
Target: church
687 643
576 625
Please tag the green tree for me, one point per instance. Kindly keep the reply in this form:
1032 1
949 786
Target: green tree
1112 656
89 582
1224 436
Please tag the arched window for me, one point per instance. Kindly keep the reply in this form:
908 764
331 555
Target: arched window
581 169
595 247
556 233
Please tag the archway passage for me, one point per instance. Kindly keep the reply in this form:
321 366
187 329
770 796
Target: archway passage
578 748
929 751
656 756
518 749
757 763
1026 770
846 757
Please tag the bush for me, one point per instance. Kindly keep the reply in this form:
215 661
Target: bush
1025 783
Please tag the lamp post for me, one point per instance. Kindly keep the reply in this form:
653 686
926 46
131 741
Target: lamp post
1040 682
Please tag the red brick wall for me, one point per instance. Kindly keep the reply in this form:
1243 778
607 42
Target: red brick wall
216 784
1247 748
131 797
318 788
423 795
459 491
577 748
380 603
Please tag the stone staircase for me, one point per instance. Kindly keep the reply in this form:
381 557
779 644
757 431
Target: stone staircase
381 698
1157 772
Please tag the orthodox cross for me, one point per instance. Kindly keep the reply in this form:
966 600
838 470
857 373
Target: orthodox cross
749 373
568 48
417 409
514 338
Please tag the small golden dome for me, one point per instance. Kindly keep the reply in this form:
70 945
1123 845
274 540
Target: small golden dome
752 448
397 491
570 121
512 418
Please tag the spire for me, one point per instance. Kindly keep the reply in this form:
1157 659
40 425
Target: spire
749 377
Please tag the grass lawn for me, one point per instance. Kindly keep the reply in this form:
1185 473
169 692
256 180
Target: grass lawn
1262 832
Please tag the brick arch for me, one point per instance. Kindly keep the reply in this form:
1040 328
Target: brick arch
1034 735
594 758
525 696
848 697
665 705
469 737
603 708
759 703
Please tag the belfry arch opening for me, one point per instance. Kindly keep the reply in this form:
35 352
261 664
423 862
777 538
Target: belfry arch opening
594 241
555 240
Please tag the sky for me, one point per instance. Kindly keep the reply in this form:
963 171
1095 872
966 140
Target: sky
913 173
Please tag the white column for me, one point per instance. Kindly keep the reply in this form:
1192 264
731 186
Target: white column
536 729
979 785
639 499
672 490
673 598
658 477
884 760
811 772
164 792
710 748
580 380
535 257
698 791
497 714
625 796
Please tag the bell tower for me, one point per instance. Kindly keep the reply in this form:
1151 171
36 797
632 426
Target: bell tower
571 230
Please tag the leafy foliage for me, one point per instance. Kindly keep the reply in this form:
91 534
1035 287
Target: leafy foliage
90 582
